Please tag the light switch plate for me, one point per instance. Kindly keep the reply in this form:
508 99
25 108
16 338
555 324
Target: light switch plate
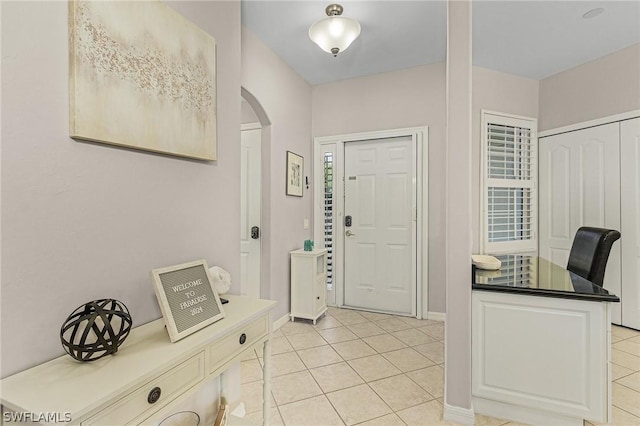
306 224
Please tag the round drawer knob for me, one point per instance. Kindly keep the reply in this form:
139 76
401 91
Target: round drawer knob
154 395
243 338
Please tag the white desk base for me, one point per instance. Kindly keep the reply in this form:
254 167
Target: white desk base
541 359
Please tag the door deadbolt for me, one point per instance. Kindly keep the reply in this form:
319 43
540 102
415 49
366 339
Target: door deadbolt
255 232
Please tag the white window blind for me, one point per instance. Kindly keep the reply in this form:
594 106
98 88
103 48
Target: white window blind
515 271
328 208
509 183
509 152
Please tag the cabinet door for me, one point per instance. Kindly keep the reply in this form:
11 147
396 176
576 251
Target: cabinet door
320 285
630 214
302 282
579 185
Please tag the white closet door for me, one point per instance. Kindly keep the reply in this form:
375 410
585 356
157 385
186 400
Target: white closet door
630 241
579 185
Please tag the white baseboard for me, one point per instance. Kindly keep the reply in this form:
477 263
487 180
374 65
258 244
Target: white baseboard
459 415
436 316
280 322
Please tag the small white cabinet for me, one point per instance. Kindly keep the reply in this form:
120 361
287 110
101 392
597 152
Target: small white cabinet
308 284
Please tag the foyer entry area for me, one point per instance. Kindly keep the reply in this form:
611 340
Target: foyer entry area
367 368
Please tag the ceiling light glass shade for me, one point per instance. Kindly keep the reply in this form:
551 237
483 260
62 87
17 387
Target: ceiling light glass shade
335 33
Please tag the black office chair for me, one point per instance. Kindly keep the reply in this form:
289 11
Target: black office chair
590 252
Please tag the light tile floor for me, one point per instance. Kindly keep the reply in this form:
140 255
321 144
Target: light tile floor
363 368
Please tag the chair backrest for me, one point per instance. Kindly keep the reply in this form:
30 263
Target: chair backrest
590 252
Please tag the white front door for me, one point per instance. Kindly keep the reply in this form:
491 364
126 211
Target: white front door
579 185
379 246
250 162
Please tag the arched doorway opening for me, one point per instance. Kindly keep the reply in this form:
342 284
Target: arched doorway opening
255 237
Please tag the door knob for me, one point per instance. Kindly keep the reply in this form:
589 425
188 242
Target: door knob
349 233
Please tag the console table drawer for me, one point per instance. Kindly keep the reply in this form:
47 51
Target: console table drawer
234 343
141 401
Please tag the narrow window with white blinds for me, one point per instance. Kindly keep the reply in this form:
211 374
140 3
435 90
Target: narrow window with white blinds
509 183
328 209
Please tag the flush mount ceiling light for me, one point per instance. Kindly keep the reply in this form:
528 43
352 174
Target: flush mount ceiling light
335 33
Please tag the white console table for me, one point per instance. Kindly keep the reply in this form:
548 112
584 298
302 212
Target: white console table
115 390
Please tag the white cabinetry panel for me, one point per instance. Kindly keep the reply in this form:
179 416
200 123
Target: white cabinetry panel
174 382
542 353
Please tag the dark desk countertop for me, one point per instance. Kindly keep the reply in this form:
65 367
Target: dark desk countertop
536 276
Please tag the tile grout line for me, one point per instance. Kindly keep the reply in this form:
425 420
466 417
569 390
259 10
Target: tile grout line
626 375
629 413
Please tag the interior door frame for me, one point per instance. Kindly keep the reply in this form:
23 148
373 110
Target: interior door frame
420 262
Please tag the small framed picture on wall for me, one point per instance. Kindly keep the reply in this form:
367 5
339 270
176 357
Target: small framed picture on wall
295 173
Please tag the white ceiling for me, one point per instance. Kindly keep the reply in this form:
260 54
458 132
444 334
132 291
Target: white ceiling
532 39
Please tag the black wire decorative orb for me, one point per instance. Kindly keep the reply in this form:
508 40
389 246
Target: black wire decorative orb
95 329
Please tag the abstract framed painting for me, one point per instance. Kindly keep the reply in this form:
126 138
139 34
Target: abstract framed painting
295 171
141 76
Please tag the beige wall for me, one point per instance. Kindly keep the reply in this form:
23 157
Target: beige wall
407 98
285 98
247 115
606 86
499 92
82 221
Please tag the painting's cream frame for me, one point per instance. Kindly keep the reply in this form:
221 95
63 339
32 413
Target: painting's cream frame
163 278
142 76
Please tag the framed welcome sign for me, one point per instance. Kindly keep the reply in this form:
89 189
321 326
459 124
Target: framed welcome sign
187 298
